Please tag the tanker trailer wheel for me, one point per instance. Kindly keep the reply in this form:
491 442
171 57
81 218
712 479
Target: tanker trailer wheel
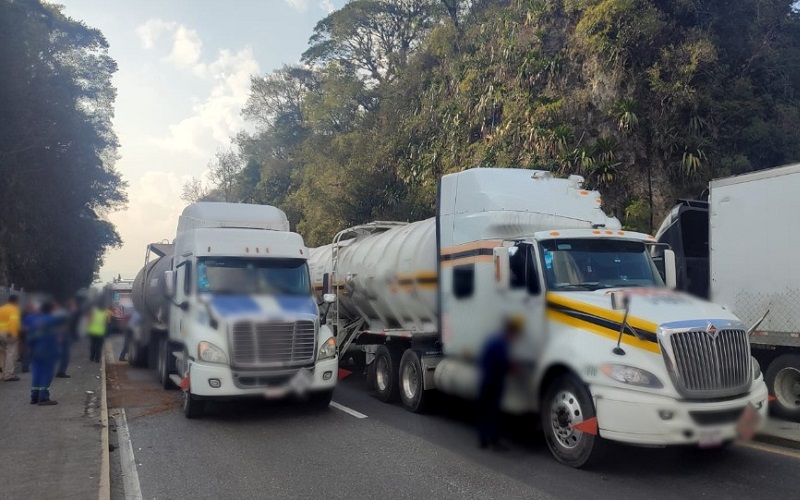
385 373
137 355
412 393
165 364
783 382
567 403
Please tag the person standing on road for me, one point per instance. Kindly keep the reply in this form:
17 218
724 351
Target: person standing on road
495 363
133 323
10 319
99 319
43 334
68 334
31 307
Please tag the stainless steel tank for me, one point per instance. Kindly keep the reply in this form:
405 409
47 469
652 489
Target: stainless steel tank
148 295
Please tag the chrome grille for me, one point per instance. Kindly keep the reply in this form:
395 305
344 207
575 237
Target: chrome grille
260 344
708 366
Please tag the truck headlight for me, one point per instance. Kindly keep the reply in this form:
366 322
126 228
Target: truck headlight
328 349
206 351
632 376
755 368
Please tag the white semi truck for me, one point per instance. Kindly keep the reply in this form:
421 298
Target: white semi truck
227 310
738 249
611 352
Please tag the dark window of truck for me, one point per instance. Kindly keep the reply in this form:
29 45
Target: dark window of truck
464 281
187 278
523 269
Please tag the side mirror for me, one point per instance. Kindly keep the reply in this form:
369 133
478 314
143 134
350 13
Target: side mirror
169 284
326 283
329 298
670 269
501 268
184 305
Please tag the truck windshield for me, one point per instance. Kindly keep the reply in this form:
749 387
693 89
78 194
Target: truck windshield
592 264
253 276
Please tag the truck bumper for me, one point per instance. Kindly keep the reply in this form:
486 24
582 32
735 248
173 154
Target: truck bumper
652 420
205 376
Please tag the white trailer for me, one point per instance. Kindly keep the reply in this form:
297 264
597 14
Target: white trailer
422 298
745 238
228 312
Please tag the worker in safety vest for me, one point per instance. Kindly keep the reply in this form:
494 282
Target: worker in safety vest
9 337
99 318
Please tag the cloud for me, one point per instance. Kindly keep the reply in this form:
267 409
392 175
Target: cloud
327 6
186 47
300 5
186 43
216 118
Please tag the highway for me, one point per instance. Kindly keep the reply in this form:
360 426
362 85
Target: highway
363 448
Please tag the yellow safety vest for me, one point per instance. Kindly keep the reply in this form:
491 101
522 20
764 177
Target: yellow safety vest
9 319
97 324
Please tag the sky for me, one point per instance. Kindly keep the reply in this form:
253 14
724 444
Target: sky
184 75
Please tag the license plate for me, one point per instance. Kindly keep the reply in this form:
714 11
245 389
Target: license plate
710 438
748 423
274 392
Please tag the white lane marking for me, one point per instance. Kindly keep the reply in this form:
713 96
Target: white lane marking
130 476
786 452
347 410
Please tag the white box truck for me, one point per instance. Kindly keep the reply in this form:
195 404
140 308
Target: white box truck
737 249
227 310
422 298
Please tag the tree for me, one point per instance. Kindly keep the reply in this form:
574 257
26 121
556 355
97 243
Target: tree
57 148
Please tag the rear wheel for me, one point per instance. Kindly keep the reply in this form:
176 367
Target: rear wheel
412 393
137 355
566 404
783 381
385 373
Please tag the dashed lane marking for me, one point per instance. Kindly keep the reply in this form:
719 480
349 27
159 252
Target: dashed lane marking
347 410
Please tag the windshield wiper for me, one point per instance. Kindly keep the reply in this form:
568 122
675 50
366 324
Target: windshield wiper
587 285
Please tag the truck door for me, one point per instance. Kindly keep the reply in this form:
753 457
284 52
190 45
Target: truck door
526 295
183 291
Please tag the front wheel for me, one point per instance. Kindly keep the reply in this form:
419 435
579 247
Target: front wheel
192 407
783 382
320 399
165 365
412 393
566 404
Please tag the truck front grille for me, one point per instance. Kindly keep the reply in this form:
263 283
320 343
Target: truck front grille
265 344
709 365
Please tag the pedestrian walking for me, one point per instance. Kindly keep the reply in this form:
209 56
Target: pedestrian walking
43 332
68 334
99 319
133 323
495 363
10 318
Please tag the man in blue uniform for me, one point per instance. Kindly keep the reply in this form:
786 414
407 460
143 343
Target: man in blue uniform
43 341
495 363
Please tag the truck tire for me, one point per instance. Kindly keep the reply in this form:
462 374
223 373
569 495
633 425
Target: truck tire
413 396
137 355
192 407
783 382
385 372
320 399
165 365
568 402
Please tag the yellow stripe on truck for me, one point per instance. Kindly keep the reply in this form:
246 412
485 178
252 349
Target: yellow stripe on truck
603 332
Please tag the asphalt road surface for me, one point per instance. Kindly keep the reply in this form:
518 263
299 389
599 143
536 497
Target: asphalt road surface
363 448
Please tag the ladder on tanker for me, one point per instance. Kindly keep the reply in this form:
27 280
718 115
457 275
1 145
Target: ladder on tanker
348 333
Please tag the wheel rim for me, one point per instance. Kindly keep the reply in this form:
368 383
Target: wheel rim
787 387
410 381
161 365
565 412
382 374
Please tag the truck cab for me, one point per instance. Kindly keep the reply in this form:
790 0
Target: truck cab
242 320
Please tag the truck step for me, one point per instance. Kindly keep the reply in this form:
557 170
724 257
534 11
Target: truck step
176 379
178 355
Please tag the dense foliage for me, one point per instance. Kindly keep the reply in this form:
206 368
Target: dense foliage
647 99
57 149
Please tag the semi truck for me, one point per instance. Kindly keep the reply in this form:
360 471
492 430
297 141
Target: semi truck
227 310
737 249
117 297
610 351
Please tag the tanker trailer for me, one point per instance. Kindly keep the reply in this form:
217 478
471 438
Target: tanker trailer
150 301
610 350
